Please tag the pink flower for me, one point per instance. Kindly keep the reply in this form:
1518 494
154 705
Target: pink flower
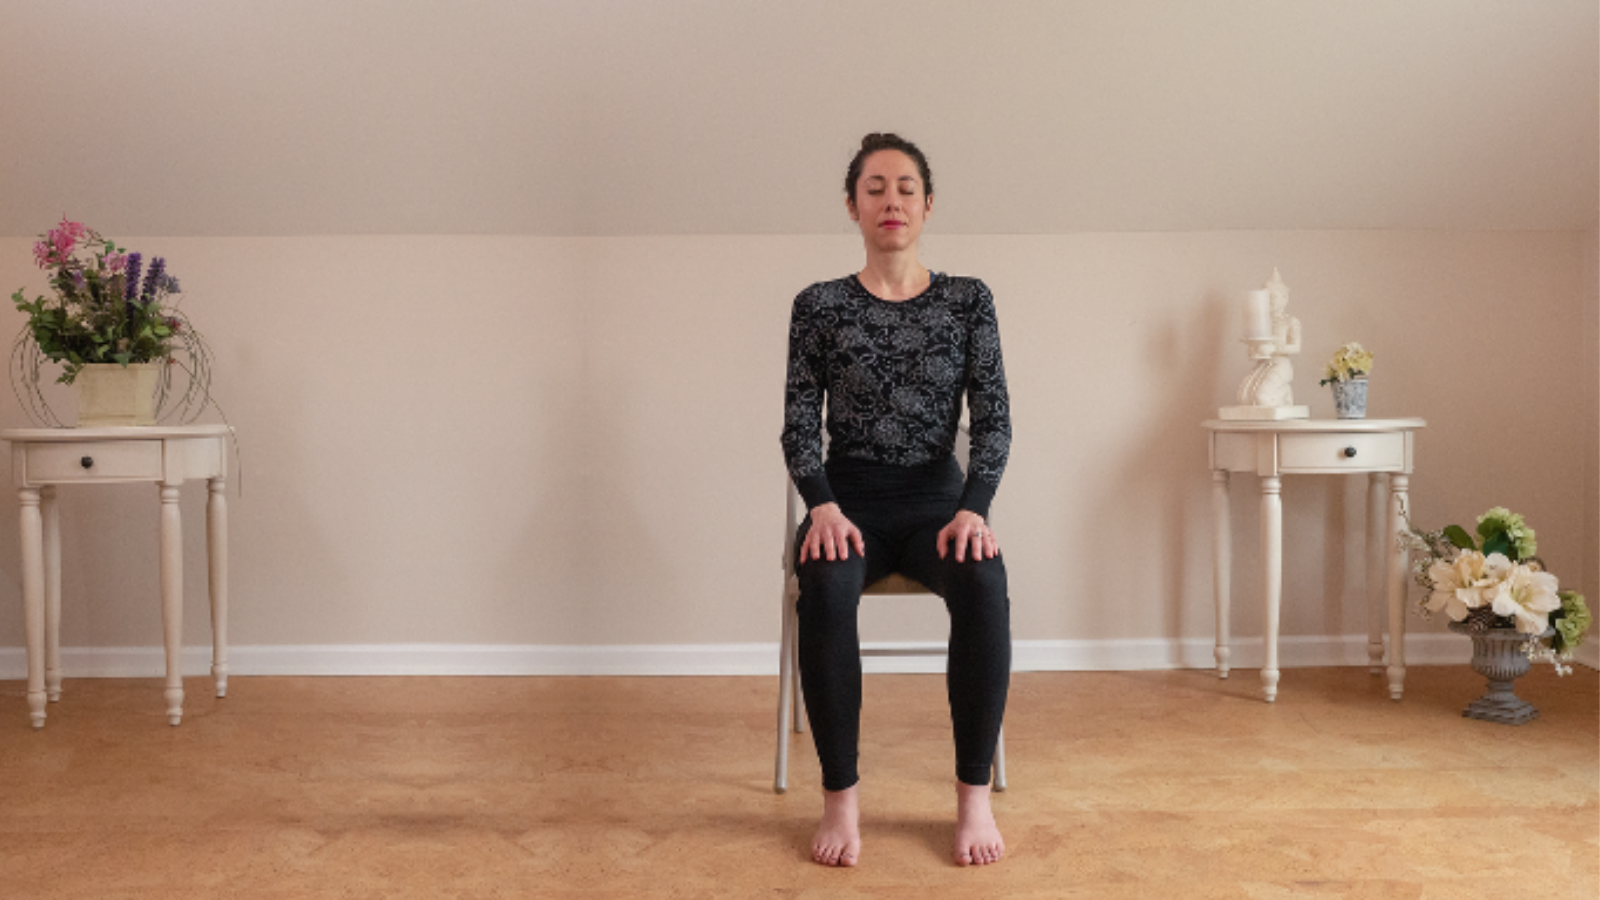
59 243
116 262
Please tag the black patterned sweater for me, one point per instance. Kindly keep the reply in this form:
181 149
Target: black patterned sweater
892 375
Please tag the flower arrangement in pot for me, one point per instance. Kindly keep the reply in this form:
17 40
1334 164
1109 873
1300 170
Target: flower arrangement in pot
114 327
1347 373
1496 590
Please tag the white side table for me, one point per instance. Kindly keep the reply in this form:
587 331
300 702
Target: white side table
1381 448
42 458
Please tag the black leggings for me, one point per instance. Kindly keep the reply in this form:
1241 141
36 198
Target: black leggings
900 512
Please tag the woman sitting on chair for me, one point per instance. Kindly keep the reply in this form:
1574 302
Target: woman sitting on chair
892 350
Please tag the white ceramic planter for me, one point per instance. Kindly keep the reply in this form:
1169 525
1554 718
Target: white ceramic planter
109 394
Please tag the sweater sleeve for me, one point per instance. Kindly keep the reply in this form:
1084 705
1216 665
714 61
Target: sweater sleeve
988 404
802 403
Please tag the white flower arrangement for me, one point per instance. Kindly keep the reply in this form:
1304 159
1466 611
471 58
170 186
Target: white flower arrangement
1498 584
1512 590
1350 361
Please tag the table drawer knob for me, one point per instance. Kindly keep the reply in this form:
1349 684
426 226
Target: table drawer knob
87 462
1349 453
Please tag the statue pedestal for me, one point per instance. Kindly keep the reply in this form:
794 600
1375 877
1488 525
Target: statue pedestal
1264 413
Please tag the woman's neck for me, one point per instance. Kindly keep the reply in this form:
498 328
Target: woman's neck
895 277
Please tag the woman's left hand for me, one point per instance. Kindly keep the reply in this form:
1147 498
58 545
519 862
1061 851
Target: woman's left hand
968 532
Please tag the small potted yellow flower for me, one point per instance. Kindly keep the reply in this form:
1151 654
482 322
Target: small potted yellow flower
1347 373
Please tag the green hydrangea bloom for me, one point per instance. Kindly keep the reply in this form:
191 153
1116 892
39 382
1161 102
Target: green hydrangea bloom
1574 621
1502 521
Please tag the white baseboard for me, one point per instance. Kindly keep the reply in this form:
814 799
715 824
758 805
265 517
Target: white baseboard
718 659
1589 653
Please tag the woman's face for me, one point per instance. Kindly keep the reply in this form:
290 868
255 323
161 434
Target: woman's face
890 204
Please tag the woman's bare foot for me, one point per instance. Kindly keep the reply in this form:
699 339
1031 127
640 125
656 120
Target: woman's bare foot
838 838
978 840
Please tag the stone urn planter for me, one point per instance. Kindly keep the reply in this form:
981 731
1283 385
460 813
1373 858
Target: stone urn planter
1497 655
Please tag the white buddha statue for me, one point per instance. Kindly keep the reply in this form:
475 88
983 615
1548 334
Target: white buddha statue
1272 382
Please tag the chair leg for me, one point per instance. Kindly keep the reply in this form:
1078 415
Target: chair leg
786 693
780 773
1000 761
799 696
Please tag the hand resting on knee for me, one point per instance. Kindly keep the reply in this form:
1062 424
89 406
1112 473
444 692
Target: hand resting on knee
831 535
968 531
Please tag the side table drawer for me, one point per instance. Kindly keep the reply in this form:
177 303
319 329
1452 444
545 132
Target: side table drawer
54 463
1342 451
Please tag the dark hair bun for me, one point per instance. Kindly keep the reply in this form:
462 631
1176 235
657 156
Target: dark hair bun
883 140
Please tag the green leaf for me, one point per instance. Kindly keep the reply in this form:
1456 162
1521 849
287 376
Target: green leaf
1501 544
1458 536
123 358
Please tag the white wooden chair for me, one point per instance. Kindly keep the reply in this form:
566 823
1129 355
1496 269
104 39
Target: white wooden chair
791 705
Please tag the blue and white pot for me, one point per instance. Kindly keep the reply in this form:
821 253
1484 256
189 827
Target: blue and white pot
1350 398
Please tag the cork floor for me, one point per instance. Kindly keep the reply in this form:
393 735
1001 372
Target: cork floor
1123 785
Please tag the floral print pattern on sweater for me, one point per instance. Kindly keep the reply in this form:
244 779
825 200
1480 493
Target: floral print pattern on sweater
892 375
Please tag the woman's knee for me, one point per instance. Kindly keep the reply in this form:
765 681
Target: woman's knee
982 580
831 585
978 589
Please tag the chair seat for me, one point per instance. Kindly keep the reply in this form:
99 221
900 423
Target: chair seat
895 583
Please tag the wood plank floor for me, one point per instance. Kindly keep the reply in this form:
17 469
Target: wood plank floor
1124 785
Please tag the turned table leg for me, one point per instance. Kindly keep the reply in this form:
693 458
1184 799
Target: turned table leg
1399 564
1377 567
32 531
1222 570
217 569
52 592
1272 571
172 599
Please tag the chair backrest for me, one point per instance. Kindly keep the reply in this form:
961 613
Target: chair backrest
795 513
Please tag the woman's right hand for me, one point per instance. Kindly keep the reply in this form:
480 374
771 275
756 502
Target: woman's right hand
831 535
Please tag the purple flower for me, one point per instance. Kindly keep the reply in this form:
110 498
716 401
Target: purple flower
154 278
132 289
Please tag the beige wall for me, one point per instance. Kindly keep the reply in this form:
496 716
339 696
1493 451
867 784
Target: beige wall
634 117
557 441
1590 586
498 290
